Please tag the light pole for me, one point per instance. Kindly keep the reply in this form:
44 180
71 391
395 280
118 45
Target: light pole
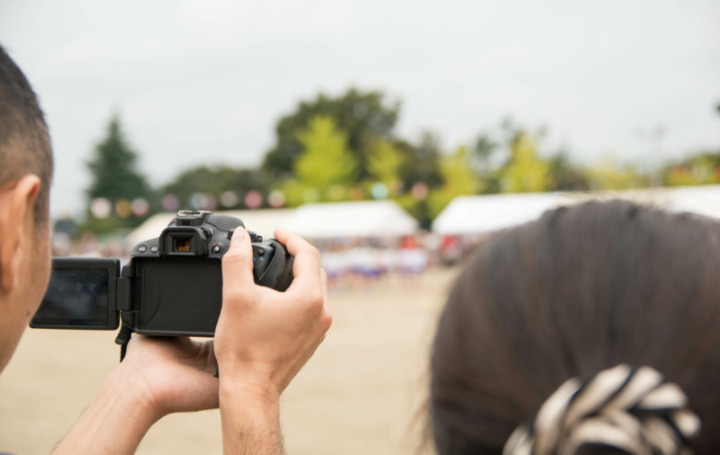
654 137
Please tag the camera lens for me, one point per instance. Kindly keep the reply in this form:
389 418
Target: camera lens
183 245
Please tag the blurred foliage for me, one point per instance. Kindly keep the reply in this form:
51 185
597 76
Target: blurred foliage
114 167
326 159
608 174
325 169
701 169
563 175
524 172
115 178
346 148
421 164
363 116
384 161
459 180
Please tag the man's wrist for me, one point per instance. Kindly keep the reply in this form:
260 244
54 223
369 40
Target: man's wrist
257 393
250 413
131 383
116 420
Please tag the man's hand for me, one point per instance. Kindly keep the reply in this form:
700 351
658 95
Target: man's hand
263 338
176 373
159 376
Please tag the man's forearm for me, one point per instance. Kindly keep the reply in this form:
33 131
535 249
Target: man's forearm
114 423
250 421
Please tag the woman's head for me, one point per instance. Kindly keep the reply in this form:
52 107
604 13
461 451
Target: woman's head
583 289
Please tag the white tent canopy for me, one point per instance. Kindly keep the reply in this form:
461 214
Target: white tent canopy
464 215
480 214
352 219
701 200
262 222
477 214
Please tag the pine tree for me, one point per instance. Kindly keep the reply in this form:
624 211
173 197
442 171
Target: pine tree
115 178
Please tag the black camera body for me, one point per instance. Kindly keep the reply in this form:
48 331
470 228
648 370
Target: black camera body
171 286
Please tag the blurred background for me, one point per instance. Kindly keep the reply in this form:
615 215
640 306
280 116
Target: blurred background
392 134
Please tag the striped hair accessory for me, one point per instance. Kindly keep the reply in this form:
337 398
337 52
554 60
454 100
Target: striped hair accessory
633 410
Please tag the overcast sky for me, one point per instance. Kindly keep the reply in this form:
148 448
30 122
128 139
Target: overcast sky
205 81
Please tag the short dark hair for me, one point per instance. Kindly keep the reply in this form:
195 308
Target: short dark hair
24 138
580 290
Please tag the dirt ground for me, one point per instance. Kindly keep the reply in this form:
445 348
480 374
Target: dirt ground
361 394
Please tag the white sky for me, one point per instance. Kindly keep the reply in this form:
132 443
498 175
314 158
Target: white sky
205 81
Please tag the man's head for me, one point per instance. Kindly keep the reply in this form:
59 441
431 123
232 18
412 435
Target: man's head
24 139
25 177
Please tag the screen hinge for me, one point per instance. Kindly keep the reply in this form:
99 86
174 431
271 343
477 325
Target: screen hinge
123 294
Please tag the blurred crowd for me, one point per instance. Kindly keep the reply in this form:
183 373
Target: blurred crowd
350 264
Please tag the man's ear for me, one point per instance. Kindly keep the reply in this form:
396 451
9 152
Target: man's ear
16 225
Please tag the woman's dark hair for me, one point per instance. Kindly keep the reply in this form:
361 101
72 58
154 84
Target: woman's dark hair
580 290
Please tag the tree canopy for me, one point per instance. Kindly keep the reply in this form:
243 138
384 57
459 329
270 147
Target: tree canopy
326 159
363 116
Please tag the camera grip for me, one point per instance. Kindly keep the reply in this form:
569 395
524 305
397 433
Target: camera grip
278 273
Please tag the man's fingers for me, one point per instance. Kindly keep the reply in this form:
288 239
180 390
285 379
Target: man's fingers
237 265
307 259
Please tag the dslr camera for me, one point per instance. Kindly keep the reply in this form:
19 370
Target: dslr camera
172 284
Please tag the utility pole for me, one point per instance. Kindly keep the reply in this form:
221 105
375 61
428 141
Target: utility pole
654 136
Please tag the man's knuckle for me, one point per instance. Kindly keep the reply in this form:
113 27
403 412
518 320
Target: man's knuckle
326 320
312 301
317 299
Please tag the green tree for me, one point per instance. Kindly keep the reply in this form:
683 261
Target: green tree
115 178
326 168
364 116
460 180
422 161
504 155
420 174
608 174
525 172
326 158
384 160
563 175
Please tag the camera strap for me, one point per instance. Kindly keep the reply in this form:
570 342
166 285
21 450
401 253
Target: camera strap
123 338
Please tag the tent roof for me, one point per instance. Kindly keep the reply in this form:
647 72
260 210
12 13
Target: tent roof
476 214
262 222
352 219
464 215
701 200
